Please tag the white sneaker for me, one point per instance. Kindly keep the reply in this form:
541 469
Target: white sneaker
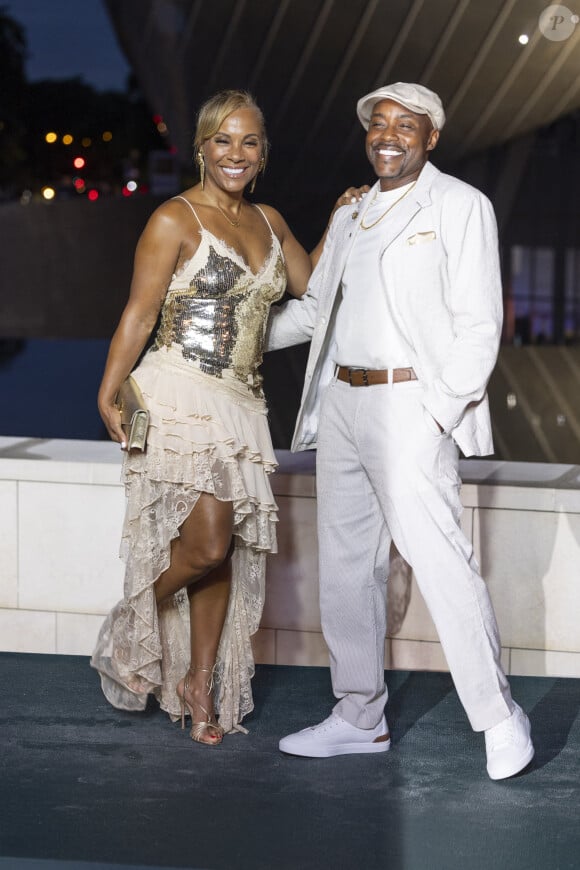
334 736
509 745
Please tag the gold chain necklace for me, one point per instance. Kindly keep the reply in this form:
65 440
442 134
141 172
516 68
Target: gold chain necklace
234 223
364 226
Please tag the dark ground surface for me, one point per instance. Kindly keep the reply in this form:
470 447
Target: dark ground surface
85 786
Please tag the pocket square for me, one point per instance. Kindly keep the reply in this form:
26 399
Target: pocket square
429 236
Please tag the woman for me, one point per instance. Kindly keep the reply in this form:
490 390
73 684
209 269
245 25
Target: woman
200 512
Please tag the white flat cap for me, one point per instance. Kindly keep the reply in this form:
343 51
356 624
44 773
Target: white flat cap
414 97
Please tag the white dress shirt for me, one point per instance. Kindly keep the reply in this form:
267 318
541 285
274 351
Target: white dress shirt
366 335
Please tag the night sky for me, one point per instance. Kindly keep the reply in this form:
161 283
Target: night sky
68 38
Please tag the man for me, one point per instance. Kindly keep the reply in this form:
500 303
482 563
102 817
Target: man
404 313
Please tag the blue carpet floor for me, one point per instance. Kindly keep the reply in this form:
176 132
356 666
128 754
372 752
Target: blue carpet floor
86 787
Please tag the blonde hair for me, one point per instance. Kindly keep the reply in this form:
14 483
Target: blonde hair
214 111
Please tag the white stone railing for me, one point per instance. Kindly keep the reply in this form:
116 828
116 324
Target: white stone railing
61 510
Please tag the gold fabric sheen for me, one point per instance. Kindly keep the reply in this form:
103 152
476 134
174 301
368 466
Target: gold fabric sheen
219 319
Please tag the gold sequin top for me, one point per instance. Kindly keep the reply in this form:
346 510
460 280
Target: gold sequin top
216 308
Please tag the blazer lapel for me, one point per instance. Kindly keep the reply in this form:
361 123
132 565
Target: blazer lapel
404 212
351 230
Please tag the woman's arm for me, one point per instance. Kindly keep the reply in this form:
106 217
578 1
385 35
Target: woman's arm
299 264
156 255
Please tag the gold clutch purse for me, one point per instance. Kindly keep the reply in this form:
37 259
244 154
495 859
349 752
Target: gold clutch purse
134 414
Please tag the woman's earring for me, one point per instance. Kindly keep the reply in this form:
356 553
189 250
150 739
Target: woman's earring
261 167
201 163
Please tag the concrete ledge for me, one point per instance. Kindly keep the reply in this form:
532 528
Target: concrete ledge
61 510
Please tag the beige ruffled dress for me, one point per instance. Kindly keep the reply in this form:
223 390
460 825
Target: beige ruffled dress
208 433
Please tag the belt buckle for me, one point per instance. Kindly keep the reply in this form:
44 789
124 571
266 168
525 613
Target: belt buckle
364 373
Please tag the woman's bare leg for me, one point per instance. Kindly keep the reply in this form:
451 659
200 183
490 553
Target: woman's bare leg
208 604
203 544
201 561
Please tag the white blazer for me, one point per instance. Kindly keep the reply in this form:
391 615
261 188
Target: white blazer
440 267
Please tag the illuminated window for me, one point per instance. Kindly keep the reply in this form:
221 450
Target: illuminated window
572 295
532 292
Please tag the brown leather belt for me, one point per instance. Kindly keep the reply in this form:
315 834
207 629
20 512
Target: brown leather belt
370 377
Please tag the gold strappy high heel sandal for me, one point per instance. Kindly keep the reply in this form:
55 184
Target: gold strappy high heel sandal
208 726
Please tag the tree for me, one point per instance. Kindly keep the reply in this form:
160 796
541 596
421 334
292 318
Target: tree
13 78
28 111
69 106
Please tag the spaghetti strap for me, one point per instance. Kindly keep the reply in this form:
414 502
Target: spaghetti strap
267 221
192 208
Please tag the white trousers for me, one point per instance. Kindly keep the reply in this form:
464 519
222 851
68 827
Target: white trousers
385 473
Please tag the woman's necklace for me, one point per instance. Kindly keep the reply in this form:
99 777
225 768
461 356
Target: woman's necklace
364 226
234 223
